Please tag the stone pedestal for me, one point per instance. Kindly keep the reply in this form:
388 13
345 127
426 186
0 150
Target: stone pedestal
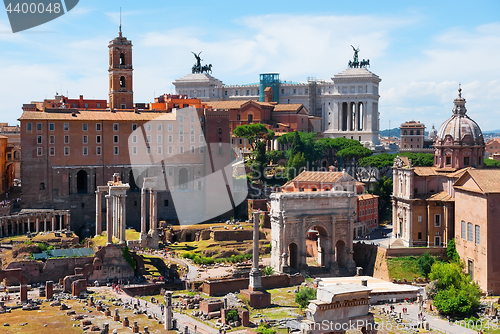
107 312
125 322
257 299
49 289
135 328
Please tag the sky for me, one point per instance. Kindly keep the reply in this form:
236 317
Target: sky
421 50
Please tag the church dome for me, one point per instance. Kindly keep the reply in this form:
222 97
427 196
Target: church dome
460 128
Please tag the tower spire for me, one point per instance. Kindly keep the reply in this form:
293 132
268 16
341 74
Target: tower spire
120 32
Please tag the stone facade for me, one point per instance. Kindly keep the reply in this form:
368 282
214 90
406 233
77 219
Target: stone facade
331 213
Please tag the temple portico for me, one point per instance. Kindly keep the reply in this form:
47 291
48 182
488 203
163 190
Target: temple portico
115 209
34 221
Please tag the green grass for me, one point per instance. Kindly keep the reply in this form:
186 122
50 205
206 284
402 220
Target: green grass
130 234
404 267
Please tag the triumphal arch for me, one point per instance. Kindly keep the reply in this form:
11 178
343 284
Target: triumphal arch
328 216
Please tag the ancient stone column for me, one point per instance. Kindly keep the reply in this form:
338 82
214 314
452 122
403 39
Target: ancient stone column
255 274
143 214
68 220
22 226
24 292
168 311
49 289
98 213
154 209
37 224
29 225
17 226
45 224
109 219
123 217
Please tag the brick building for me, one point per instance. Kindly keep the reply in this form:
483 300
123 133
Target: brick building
477 194
493 148
69 151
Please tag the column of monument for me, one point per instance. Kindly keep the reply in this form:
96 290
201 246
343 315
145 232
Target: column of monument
255 274
143 214
109 219
154 210
123 217
98 213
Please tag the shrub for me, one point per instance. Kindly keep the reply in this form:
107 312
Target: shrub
304 296
425 263
264 330
268 271
127 257
232 314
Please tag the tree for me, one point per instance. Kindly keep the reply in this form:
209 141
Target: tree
425 263
451 251
456 295
304 296
295 166
259 161
254 133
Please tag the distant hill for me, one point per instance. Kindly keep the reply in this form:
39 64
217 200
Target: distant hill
396 133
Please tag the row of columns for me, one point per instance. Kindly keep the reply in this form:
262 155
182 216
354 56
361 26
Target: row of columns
42 222
352 108
116 209
149 185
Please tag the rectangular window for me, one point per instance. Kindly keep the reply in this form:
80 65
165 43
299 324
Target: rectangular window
192 139
478 234
437 220
115 126
181 139
192 130
159 150
86 105
52 126
38 139
66 139
134 150
28 127
98 150
170 150
181 149
66 150
192 118
181 129
170 138
202 139
85 126
159 139
85 150
66 127
98 105
419 219
201 150
165 202
115 150
134 139
115 139
463 229
52 151
98 127
170 127
181 119
469 232
148 150
148 139
158 127
192 149
85 139
134 127
39 151
38 127
98 139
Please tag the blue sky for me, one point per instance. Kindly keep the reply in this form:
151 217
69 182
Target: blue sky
421 50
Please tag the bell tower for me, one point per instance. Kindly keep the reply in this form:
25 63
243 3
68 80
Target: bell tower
121 95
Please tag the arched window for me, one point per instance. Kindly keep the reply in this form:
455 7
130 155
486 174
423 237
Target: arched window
418 132
250 118
81 182
42 186
122 82
405 132
122 59
16 154
411 132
